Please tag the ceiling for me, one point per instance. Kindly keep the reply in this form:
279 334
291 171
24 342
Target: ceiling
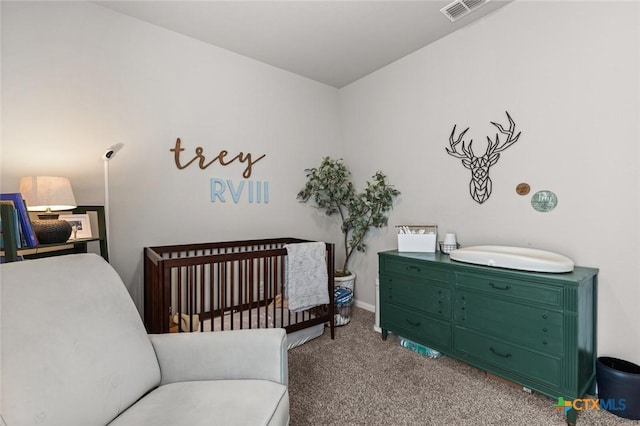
332 42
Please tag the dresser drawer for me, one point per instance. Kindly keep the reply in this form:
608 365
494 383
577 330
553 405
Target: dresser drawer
534 327
517 290
413 268
538 367
425 296
415 326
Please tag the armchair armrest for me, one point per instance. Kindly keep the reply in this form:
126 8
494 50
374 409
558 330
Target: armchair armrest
239 354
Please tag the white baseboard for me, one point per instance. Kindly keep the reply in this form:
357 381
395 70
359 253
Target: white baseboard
366 306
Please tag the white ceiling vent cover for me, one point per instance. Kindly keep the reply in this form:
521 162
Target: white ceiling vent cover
460 8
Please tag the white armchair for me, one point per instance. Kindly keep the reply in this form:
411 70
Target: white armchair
75 352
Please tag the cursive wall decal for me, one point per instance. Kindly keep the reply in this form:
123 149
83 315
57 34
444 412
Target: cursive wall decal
220 158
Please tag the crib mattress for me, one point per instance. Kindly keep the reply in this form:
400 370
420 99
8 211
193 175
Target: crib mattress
264 317
301 337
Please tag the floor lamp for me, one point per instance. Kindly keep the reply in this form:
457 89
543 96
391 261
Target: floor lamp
106 157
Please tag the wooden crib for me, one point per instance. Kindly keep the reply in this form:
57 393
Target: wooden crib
227 286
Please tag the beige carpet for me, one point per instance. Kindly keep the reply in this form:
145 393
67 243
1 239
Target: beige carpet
357 379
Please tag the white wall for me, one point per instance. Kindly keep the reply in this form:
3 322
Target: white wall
78 78
573 92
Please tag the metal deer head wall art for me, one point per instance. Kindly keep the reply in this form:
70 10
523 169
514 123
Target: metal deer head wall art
480 185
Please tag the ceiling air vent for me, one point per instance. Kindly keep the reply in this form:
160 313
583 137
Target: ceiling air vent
460 8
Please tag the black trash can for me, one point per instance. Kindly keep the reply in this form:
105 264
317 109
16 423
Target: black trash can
619 387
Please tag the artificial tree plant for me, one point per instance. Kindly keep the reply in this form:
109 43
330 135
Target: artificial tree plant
331 189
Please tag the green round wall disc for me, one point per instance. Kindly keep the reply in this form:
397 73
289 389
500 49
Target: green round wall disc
544 201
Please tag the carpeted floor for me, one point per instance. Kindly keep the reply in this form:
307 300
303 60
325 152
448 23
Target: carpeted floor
357 379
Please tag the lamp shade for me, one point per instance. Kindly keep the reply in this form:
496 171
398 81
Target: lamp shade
44 193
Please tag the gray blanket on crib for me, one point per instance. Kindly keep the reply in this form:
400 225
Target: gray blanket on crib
306 276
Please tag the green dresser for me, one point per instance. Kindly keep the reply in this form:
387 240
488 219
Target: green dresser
534 329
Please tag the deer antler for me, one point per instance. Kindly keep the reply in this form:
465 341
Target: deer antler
496 147
467 152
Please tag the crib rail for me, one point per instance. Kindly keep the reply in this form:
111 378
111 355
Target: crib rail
228 285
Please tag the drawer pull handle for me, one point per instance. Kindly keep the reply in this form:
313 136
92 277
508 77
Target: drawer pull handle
498 287
413 323
500 354
413 268
544 329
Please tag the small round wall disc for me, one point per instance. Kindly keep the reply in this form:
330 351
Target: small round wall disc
544 201
523 188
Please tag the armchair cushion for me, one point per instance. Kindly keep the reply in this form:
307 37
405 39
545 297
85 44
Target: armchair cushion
74 350
240 354
215 402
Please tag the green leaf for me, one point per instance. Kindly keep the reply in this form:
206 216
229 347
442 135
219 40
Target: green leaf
331 189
